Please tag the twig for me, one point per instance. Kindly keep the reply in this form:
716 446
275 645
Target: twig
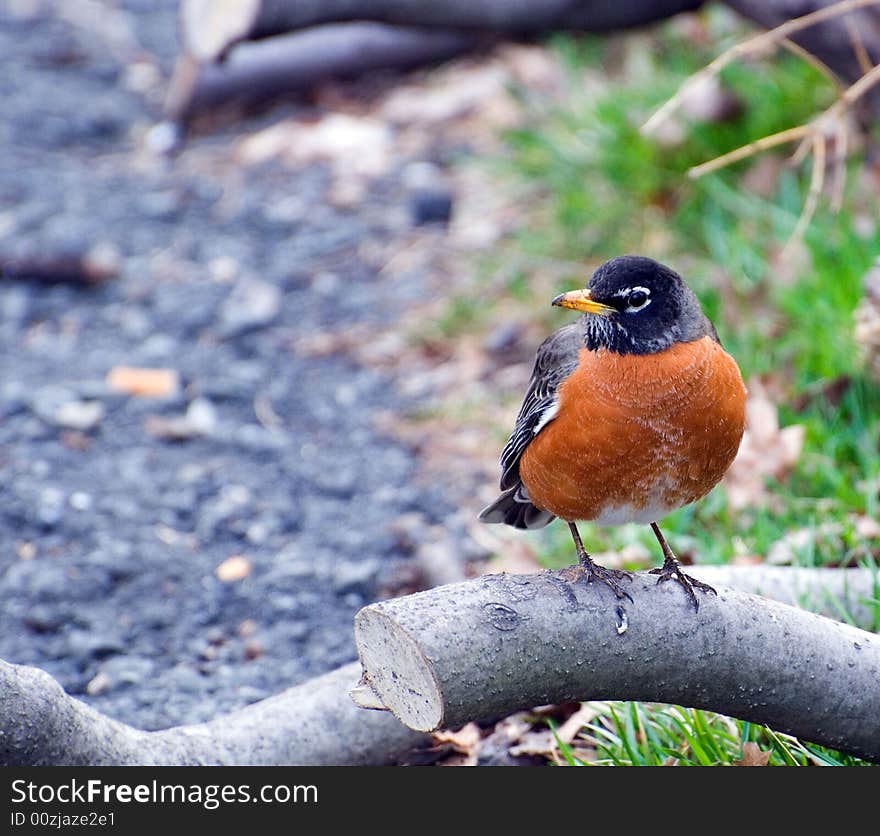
817 180
813 136
818 63
747 47
744 151
858 45
841 150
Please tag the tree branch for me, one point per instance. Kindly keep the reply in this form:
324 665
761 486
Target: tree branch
209 28
501 643
296 61
850 595
312 724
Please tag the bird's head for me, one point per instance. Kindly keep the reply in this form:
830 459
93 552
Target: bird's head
635 305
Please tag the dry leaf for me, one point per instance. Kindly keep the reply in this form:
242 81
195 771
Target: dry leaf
465 740
144 383
766 451
545 742
753 755
233 569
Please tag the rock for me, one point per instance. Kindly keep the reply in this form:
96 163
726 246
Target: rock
253 304
86 644
163 138
354 575
79 415
428 206
234 568
430 194
200 419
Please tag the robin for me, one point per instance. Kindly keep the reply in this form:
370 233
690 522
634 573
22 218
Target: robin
633 411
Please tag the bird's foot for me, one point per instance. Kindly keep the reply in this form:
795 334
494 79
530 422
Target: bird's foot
610 577
671 570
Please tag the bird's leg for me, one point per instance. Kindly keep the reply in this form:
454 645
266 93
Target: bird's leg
671 570
610 577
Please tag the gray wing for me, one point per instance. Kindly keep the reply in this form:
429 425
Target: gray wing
556 359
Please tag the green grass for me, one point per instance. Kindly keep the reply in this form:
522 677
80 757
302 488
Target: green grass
642 734
596 188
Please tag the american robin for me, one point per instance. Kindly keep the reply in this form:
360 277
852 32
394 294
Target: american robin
632 411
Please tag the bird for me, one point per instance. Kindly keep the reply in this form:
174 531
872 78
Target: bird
632 411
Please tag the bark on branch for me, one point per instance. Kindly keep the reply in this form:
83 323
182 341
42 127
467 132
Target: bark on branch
502 643
313 724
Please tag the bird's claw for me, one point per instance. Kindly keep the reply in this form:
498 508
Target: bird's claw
671 570
610 577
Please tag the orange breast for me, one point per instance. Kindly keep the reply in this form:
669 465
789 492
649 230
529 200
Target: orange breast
638 436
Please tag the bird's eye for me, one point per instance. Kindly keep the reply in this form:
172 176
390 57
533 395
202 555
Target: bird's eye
637 299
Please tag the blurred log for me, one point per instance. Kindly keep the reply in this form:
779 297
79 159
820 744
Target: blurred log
210 28
297 61
485 648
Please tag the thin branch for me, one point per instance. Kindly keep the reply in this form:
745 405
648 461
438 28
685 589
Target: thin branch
818 63
857 90
817 180
841 151
757 43
858 45
744 151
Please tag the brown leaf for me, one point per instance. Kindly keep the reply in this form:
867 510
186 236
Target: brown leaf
465 741
143 383
753 755
545 741
766 451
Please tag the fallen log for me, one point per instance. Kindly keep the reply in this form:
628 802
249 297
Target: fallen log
255 71
313 724
501 643
209 29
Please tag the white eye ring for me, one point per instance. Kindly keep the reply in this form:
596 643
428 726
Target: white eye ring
644 298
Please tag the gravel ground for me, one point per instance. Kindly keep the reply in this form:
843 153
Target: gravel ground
116 511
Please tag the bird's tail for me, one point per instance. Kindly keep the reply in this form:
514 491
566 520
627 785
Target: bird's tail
515 508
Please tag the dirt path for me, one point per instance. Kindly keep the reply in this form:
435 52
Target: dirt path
112 531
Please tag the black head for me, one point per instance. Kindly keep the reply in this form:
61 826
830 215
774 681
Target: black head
635 305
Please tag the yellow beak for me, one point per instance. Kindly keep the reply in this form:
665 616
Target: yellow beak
579 300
